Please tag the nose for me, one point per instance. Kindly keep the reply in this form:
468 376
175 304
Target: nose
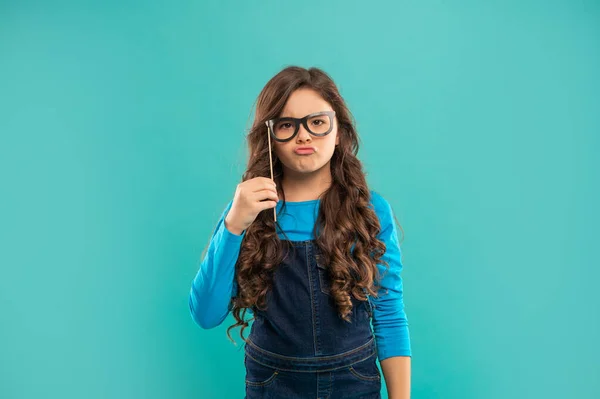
303 135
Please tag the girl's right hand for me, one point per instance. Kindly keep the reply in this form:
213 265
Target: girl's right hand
251 197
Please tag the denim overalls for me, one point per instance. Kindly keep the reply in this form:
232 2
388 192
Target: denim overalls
299 347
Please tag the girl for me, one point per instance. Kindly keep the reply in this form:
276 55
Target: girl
308 271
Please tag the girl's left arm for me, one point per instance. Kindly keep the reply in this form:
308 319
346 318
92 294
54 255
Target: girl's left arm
396 371
390 323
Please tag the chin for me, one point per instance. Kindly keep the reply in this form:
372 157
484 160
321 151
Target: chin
309 169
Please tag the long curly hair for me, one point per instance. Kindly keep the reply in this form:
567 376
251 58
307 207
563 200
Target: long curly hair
345 217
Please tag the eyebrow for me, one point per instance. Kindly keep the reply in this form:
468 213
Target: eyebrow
311 113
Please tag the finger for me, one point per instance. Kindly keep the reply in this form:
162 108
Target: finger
264 183
267 205
266 194
271 183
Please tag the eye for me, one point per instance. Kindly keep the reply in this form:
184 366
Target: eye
318 122
285 125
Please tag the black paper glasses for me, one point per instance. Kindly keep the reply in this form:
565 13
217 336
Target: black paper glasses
318 124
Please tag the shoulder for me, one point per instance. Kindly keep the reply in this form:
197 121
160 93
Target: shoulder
387 221
380 205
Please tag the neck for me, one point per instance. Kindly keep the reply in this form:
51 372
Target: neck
306 186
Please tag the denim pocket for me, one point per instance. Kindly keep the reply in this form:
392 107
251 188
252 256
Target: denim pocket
257 374
366 370
324 279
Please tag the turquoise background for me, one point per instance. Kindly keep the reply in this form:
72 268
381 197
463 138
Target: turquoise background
122 139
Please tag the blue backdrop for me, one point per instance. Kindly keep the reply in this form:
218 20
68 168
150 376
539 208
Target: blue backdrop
122 130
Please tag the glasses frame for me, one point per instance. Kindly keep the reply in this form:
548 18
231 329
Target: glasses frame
297 121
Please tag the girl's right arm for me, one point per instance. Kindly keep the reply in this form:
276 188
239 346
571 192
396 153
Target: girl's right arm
214 284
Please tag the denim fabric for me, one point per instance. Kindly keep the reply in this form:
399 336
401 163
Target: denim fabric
299 347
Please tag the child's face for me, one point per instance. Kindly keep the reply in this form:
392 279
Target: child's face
302 102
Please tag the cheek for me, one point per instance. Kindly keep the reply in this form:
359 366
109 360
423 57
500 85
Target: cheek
333 139
280 150
277 148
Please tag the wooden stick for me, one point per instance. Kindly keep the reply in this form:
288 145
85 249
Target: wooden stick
271 164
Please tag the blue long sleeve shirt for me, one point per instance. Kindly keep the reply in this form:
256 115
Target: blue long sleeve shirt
214 284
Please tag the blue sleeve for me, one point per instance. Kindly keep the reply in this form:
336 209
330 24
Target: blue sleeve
390 324
214 284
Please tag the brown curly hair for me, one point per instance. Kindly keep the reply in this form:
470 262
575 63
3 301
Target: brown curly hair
345 216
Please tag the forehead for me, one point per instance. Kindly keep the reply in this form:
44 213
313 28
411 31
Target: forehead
304 101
